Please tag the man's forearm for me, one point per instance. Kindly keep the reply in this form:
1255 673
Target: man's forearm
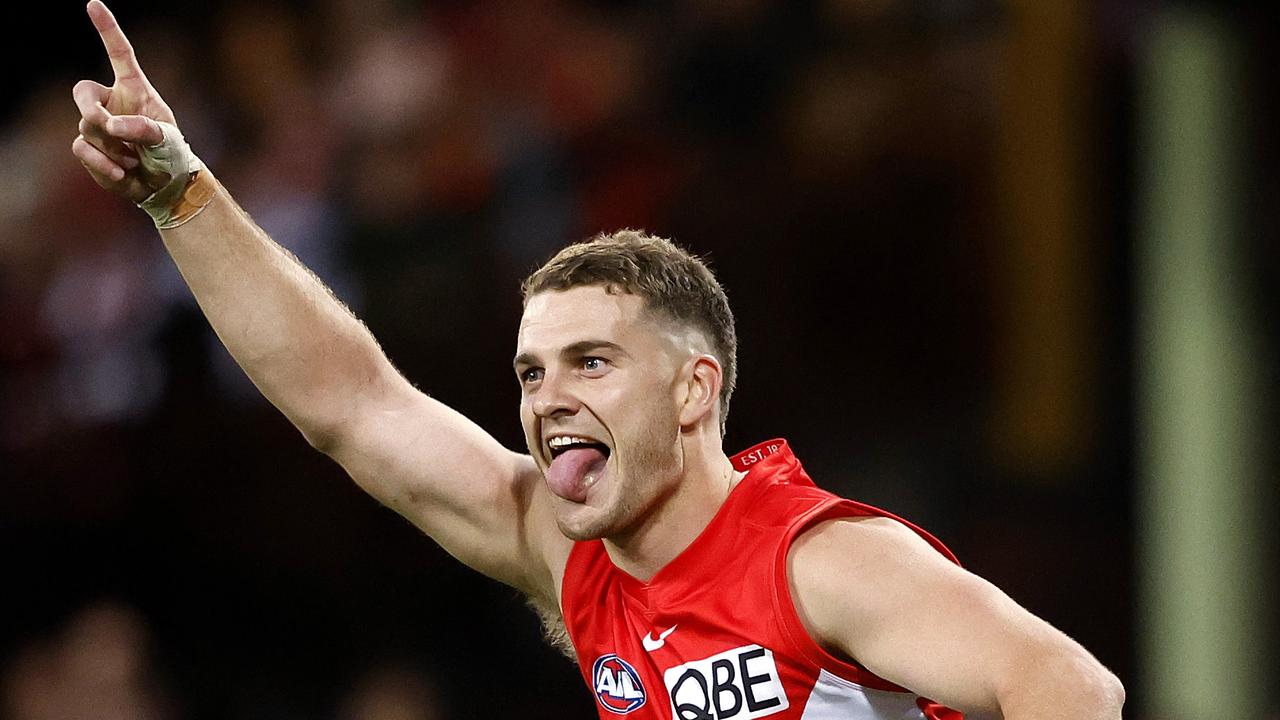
301 346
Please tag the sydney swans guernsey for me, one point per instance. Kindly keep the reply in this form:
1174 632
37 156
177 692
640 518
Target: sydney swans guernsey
715 635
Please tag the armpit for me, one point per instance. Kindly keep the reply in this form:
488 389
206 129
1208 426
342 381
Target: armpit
553 629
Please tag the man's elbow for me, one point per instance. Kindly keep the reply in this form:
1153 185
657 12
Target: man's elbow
1072 681
1108 693
329 439
1097 692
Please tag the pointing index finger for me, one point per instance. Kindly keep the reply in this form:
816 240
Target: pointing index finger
123 62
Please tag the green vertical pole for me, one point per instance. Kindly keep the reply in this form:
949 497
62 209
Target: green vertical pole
1201 441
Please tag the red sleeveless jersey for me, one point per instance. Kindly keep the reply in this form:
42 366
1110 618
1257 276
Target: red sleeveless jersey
715 635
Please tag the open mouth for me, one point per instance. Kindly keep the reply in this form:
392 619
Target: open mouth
577 463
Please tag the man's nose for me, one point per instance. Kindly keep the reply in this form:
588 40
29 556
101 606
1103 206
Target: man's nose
554 399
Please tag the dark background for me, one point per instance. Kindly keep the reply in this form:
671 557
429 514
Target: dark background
923 213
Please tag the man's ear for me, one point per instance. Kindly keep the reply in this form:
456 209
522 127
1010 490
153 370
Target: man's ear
703 377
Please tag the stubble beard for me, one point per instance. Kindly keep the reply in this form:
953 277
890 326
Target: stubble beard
654 460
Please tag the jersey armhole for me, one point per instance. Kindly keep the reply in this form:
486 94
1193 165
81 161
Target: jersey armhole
784 603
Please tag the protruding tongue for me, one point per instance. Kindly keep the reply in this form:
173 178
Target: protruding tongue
567 476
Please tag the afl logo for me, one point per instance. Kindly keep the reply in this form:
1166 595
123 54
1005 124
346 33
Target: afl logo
617 684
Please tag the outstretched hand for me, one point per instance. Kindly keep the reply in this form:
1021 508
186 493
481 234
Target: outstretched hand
116 120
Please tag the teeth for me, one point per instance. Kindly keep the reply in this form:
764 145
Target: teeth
566 440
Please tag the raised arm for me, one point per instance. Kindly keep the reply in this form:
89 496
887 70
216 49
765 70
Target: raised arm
304 349
873 590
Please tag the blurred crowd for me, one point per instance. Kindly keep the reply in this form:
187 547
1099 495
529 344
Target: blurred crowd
834 159
419 158
100 666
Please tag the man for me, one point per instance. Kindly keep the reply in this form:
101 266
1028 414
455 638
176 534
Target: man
689 584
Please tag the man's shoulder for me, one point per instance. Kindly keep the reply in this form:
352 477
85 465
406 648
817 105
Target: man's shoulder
858 534
856 569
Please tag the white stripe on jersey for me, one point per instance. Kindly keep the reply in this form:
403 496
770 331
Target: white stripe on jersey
834 698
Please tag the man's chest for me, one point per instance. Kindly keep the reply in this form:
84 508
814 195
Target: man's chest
710 656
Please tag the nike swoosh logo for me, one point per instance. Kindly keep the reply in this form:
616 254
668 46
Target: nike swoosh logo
651 643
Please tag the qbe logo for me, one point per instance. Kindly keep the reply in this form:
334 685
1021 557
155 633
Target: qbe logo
742 683
617 684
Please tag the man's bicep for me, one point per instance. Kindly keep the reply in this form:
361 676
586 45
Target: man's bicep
875 591
453 480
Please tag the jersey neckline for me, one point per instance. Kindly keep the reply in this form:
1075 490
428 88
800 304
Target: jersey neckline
684 569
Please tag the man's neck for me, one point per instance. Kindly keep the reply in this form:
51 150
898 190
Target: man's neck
677 519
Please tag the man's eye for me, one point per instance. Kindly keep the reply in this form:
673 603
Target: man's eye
531 375
593 363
